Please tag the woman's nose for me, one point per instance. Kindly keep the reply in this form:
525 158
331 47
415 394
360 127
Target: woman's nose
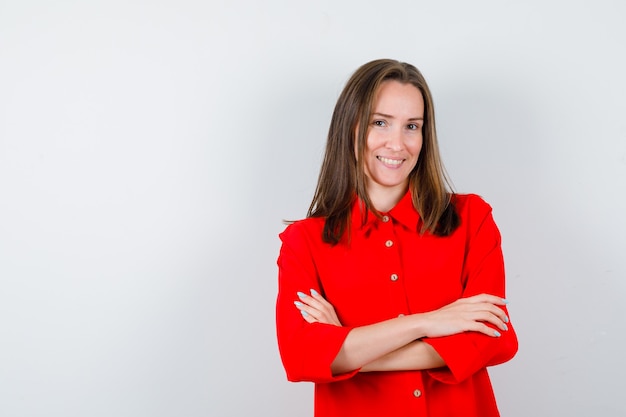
394 140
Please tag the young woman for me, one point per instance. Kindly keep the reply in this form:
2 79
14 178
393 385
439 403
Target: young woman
391 291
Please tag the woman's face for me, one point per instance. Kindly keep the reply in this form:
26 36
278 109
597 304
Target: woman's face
394 137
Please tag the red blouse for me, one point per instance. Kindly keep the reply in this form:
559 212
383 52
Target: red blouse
386 269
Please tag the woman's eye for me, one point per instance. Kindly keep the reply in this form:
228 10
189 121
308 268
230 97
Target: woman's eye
412 126
379 123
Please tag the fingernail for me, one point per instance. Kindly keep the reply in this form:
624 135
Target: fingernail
304 313
506 319
505 301
313 292
301 295
505 327
298 304
496 333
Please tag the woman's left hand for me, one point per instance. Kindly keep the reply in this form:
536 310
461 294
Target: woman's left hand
315 309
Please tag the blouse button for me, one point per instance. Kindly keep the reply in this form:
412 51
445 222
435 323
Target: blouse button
385 219
389 243
394 277
417 393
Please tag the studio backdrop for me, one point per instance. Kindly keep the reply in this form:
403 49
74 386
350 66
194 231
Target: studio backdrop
150 150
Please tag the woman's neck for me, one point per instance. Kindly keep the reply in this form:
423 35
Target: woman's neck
385 198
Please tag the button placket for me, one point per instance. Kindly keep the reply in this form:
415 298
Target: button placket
392 259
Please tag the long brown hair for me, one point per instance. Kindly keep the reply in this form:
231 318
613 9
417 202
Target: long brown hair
342 176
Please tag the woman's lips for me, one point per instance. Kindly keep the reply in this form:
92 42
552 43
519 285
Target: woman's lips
389 161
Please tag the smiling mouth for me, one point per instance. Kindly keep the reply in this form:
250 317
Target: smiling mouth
388 161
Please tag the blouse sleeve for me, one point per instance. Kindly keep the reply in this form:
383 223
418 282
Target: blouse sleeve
468 352
307 350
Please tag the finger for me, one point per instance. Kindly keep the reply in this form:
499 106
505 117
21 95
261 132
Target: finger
486 298
494 299
498 312
483 328
312 314
319 308
307 313
486 306
317 302
495 320
307 299
307 317
328 307
316 296
487 312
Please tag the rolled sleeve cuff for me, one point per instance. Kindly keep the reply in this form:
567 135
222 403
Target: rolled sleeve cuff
461 355
310 356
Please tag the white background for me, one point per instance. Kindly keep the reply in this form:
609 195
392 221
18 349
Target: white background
149 151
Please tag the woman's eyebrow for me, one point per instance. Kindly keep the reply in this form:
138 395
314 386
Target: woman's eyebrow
388 116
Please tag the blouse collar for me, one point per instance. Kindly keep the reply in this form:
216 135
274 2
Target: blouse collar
403 212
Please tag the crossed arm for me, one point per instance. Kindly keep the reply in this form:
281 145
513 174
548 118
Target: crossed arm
395 344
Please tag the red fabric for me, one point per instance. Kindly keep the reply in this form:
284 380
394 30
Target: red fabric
355 277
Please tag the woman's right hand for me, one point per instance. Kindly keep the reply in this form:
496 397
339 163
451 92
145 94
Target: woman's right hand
467 315
315 309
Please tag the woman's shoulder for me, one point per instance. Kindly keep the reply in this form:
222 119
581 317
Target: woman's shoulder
470 205
304 229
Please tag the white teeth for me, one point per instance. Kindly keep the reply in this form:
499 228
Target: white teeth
389 161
